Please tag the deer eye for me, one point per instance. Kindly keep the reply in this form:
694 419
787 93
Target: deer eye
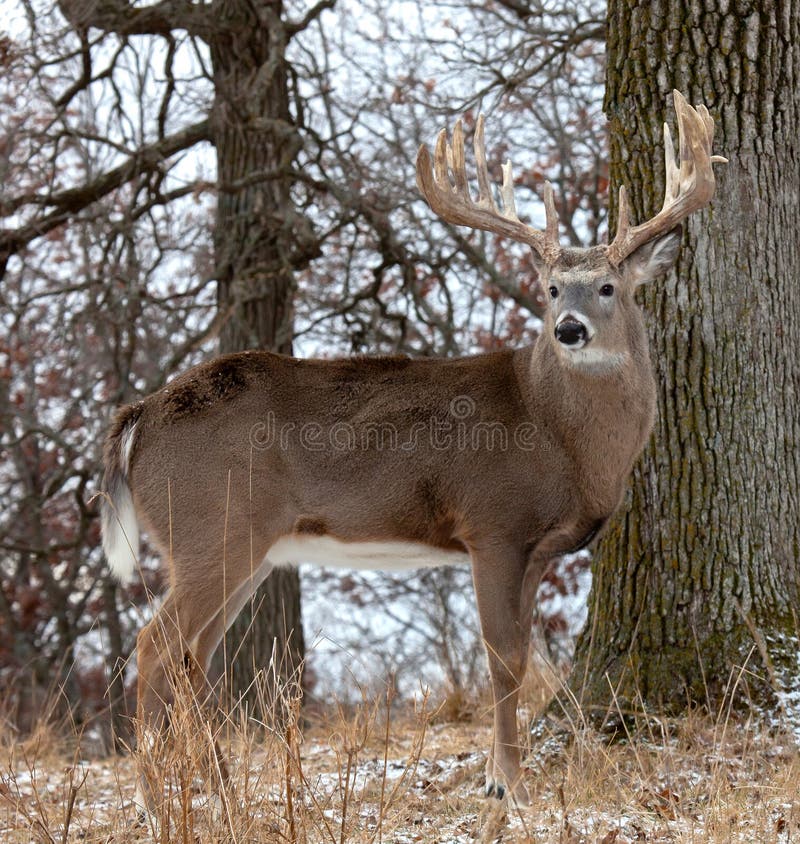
553 292
607 290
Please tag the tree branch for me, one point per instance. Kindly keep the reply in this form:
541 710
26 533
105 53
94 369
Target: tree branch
122 18
293 27
73 200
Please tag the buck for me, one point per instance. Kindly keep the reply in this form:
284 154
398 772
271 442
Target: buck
506 460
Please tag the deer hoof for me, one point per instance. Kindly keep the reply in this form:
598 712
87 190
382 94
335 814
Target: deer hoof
494 789
499 791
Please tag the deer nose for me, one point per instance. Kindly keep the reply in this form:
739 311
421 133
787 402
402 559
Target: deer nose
570 332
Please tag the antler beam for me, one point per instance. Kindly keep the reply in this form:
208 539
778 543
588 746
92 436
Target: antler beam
452 201
690 180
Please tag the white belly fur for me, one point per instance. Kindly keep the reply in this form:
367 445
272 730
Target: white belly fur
384 556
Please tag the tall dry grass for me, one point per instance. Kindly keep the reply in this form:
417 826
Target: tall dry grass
398 771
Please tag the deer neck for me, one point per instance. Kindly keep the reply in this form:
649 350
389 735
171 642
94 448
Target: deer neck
600 413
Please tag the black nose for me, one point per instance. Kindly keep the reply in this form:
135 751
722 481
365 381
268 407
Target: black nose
570 331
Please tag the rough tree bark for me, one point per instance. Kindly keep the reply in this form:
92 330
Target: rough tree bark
698 575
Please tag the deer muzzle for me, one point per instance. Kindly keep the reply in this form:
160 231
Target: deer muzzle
571 332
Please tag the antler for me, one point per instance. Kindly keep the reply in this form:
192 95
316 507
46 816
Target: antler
689 181
453 203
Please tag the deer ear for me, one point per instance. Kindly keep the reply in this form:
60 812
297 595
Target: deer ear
653 258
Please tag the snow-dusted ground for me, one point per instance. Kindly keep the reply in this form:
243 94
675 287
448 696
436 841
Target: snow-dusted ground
704 783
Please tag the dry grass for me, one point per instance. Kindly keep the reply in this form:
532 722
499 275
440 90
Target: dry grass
385 772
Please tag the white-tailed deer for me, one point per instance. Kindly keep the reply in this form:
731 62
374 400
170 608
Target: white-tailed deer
508 459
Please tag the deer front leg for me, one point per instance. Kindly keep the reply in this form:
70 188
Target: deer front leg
505 611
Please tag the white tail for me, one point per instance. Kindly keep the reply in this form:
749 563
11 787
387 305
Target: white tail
120 526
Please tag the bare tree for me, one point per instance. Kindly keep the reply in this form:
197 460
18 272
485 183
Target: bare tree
85 325
160 165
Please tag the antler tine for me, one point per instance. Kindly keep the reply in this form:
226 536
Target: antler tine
623 217
485 197
672 173
708 125
507 191
550 214
457 162
453 203
689 181
440 157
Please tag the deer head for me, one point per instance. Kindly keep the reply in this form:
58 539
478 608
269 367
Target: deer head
590 291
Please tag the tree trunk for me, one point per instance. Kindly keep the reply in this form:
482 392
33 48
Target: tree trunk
259 241
697 576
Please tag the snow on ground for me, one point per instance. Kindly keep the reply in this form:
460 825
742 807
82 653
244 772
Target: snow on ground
697 786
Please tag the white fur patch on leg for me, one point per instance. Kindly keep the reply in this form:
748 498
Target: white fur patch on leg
139 798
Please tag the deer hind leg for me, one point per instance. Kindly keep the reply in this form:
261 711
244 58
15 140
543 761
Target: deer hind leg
206 644
182 637
208 640
505 612
163 655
